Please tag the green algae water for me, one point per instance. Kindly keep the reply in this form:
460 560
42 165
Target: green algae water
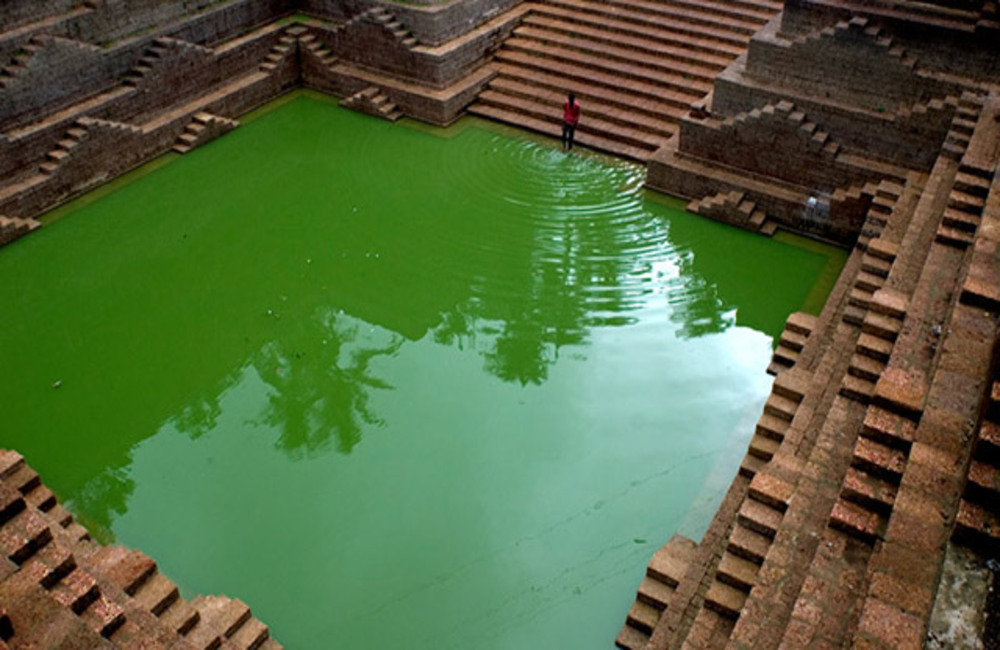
394 389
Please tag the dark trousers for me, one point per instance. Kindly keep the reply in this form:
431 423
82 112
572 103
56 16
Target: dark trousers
569 130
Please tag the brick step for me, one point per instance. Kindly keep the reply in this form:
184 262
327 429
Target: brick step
759 518
751 465
220 618
865 367
983 485
641 44
884 250
978 527
972 184
793 340
648 29
763 447
591 125
772 426
725 600
783 358
670 562
587 63
180 616
641 17
619 96
760 11
104 616
127 569
748 543
988 442
23 535
157 595
781 407
874 265
870 491
961 221
593 108
860 298
801 323
250 636
642 617
857 389
554 130
890 429
954 237
857 521
882 326
737 571
879 459
631 639
654 593
869 282
572 74
970 203
77 591
695 15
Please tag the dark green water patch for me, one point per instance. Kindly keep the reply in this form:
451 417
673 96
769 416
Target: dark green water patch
389 388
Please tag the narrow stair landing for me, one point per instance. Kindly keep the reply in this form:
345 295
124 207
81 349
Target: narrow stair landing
636 66
373 101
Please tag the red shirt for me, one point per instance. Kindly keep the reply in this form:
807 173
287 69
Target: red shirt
571 114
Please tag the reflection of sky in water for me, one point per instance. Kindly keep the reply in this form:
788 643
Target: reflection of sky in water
495 384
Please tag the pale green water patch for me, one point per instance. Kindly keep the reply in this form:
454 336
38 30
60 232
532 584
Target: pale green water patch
389 388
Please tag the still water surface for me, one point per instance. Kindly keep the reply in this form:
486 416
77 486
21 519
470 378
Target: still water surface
394 388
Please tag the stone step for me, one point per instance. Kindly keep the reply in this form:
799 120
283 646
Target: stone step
763 447
890 429
180 616
771 491
801 323
584 63
793 340
954 237
988 443
882 326
694 15
759 518
104 616
654 593
158 594
772 426
642 16
725 600
983 485
631 639
875 265
127 569
860 298
872 492
961 221
784 357
41 497
593 108
554 130
869 282
865 367
751 465
77 591
972 184
220 618
617 97
857 521
250 636
656 61
736 571
748 544
854 315
780 406
857 389
670 562
642 617
879 459
883 249
978 527
23 535
588 124
636 43
571 74
970 203
874 347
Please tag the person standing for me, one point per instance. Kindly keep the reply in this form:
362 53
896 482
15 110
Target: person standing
571 117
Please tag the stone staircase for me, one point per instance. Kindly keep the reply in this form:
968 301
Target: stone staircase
965 206
381 16
202 129
286 45
736 209
793 340
149 59
63 150
635 65
60 589
978 521
963 125
663 574
17 64
373 101
13 228
318 49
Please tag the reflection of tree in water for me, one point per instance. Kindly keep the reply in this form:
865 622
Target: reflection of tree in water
321 385
201 416
695 303
104 498
573 272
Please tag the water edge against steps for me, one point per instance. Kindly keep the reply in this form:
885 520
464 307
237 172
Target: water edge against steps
392 387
